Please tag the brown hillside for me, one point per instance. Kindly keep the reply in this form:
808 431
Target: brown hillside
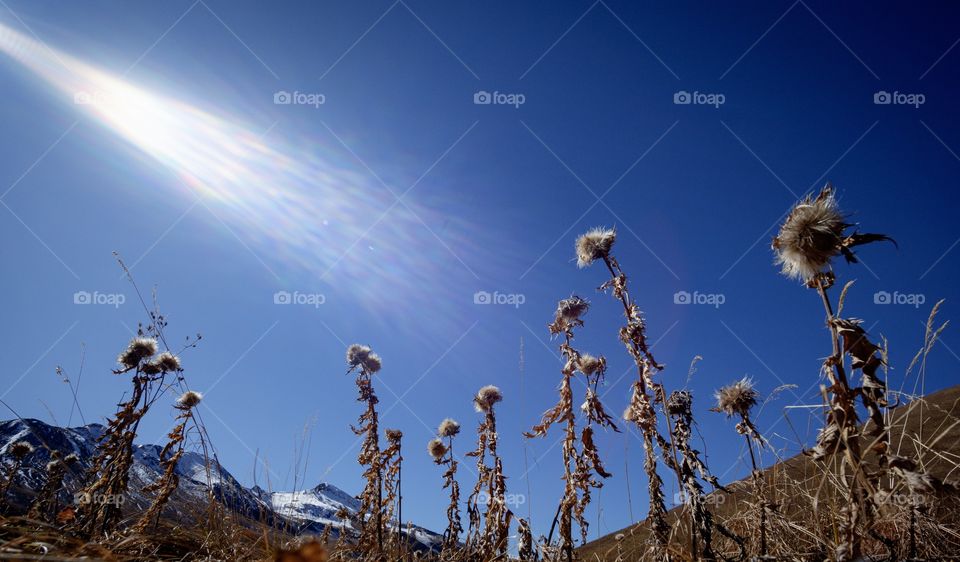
805 494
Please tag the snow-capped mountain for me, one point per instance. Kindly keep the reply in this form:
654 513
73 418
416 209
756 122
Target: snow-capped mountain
301 512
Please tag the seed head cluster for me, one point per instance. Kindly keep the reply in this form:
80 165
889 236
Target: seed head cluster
362 356
137 350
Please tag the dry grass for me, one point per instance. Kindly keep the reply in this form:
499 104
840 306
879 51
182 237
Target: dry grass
806 497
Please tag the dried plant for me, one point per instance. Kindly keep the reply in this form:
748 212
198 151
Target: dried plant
442 454
488 532
169 457
595 245
45 504
620 556
738 399
109 471
691 467
19 450
524 541
579 465
813 234
366 363
392 463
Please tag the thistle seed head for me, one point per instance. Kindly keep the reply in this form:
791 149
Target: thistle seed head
137 350
811 236
167 362
589 364
436 448
20 449
594 245
568 314
486 397
737 398
449 428
362 356
189 399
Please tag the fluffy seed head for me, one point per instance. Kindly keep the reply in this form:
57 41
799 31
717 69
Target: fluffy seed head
589 364
189 399
362 356
437 449
55 461
167 362
449 428
568 314
70 459
737 398
20 449
594 245
811 236
137 350
486 397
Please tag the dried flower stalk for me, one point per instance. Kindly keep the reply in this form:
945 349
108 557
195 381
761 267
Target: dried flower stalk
579 466
487 535
370 515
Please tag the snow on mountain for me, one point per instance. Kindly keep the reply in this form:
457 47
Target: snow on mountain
304 511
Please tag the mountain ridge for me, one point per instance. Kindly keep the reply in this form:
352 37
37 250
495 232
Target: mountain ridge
301 512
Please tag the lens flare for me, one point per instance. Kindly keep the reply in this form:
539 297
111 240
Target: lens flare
304 212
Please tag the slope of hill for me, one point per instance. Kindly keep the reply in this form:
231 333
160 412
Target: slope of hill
926 429
299 512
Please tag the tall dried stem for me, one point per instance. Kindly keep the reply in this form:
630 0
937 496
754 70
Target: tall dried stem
813 234
443 455
170 456
19 450
579 466
370 515
487 533
590 247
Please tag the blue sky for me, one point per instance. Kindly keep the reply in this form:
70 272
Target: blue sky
399 198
